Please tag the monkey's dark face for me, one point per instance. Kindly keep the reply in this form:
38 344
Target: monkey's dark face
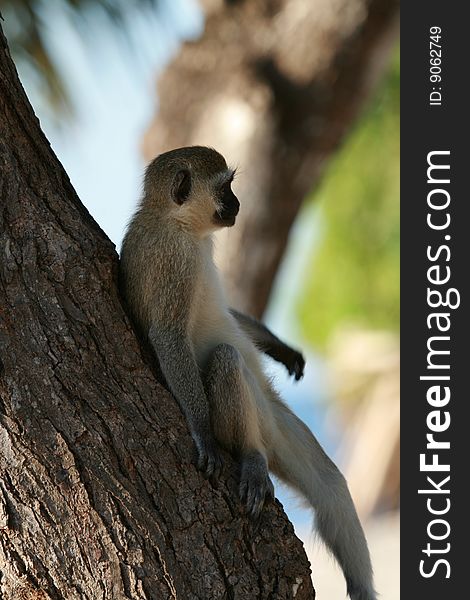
204 203
199 183
227 205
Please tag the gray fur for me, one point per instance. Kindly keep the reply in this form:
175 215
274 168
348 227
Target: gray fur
210 357
266 341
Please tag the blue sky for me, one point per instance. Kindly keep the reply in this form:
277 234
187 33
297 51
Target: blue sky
111 81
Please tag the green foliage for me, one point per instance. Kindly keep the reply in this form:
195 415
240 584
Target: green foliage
353 276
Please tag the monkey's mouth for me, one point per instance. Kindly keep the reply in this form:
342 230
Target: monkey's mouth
228 221
225 218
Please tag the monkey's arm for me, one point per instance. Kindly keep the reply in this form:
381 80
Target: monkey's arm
182 376
271 345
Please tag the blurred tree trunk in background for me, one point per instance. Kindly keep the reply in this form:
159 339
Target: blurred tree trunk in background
98 495
366 374
274 85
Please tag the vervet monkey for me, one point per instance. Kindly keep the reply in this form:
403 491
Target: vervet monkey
210 355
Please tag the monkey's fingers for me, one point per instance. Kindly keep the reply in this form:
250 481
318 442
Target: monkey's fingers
243 490
210 461
214 467
255 504
255 487
257 498
297 365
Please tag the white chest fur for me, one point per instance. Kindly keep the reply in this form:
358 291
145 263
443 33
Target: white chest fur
211 322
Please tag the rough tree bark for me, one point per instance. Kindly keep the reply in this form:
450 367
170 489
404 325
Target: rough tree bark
98 495
273 84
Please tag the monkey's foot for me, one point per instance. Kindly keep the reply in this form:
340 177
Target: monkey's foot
255 484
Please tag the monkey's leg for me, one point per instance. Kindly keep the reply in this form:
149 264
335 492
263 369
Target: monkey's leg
234 419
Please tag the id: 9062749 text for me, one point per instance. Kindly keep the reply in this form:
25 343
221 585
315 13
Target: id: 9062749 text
435 69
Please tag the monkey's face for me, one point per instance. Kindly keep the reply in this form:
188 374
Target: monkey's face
205 203
227 204
201 199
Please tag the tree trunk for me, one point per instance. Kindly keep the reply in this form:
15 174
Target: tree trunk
274 85
99 498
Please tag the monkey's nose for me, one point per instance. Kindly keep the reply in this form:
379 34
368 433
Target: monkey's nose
231 210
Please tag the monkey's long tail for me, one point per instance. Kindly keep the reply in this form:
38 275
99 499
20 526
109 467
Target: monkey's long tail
300 461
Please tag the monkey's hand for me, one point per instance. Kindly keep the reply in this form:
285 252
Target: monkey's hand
210 461
293 361
255 484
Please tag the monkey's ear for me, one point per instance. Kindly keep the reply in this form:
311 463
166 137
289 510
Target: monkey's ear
181 186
